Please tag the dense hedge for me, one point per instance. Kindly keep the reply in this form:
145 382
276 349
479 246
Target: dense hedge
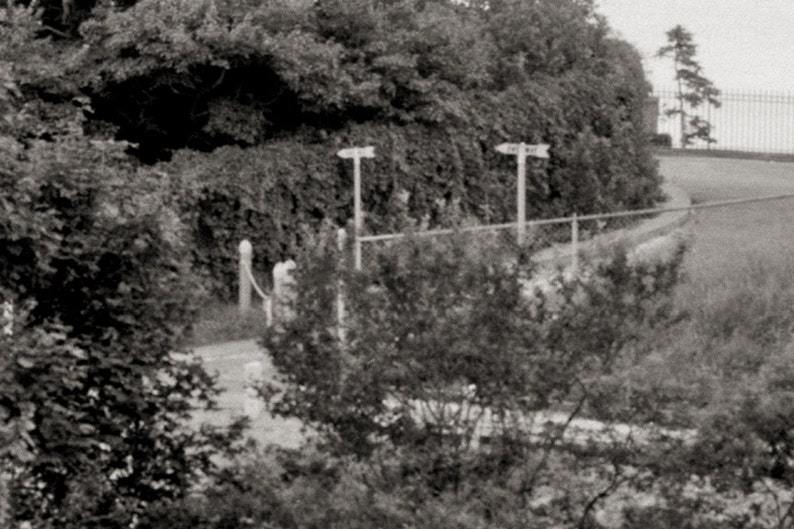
271 193
249 101
434 124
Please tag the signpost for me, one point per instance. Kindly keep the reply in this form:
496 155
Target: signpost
521 151
357 153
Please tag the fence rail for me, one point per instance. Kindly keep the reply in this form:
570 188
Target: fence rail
757 121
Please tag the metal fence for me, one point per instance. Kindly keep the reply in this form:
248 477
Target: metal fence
758 121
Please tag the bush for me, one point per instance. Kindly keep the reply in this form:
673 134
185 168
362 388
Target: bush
434 326
662 140
94 394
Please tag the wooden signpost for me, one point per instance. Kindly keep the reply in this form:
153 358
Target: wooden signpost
357 153
521 151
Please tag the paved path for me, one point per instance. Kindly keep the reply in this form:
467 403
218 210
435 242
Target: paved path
722 238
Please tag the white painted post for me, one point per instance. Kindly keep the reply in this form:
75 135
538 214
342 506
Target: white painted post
357 220
341 238
246 257
283 289
521 214
521 151
574 244
268 306
357 153
8 318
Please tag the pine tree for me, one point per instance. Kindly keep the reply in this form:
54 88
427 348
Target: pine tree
693 89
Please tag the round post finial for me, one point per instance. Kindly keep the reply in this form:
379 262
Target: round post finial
246 250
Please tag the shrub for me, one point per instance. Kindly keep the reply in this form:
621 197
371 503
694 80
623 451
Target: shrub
438 333
94 394
662 140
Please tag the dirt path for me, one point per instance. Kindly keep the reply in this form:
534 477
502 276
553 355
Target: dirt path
231 361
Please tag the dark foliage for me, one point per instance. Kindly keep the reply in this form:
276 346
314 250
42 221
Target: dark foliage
95 387
275 88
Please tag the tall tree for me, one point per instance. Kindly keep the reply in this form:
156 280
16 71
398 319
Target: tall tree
692 90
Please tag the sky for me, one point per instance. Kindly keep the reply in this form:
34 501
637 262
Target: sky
742 44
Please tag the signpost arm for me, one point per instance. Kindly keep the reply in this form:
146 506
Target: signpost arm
521 217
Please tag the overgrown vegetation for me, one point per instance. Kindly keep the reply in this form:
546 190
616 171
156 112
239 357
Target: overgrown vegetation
449 366
141 141
704 387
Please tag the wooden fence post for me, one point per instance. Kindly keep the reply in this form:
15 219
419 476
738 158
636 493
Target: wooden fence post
246 257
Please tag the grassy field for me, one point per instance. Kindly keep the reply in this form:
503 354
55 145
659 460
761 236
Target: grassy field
713 153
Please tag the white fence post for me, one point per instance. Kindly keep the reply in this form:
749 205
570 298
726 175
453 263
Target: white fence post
268 306
246 257
341 239
521 195
284 290
574 243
